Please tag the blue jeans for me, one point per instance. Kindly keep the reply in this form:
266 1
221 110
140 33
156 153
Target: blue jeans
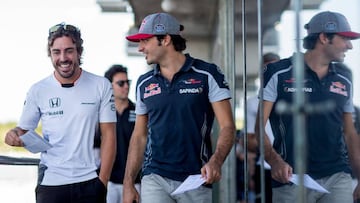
155 188
339 185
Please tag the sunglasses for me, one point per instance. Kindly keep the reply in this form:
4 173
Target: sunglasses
121 83
63 26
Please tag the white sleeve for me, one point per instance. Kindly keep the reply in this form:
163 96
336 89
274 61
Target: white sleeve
251 111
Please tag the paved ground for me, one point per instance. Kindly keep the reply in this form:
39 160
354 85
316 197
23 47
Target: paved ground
17 183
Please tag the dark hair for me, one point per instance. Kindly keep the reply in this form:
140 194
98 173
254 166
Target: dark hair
269 57
310 40
178 41
116 68
75 35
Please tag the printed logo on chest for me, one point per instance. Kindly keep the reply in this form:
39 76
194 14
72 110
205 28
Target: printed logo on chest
191 90
294 89
151 90
338 88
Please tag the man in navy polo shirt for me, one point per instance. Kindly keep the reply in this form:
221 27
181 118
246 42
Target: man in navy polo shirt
328 39
175 108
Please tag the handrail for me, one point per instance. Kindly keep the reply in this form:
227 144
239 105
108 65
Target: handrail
7 160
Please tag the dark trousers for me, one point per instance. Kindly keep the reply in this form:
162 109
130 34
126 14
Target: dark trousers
268 189
92 191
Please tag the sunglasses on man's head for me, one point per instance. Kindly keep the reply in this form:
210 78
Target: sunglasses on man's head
121 83
63 26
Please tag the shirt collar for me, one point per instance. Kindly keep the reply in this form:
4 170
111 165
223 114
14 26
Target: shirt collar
186 67
332 65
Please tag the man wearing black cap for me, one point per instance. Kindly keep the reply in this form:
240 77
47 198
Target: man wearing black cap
175 108
329 37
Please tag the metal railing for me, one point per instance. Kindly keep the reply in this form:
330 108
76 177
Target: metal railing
7 160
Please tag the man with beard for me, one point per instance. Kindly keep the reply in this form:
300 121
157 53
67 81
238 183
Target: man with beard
70 103
329 37
125 113
176 104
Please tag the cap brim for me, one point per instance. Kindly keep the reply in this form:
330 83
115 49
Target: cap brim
138 37
351 35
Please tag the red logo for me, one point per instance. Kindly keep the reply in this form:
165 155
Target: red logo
192 81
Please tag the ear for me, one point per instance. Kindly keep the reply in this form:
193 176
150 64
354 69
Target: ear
166 40
323 38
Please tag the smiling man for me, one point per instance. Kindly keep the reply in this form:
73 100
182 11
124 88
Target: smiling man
176 104
70 103
328 133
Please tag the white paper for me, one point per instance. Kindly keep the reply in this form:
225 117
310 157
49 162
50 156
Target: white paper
309 183
192 182
34 142
266 165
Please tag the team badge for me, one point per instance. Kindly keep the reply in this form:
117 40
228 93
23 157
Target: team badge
192 81
54 102
338 88
151 90
159 28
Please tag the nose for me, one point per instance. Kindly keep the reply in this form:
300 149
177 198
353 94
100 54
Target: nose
63 56
349 44
141 46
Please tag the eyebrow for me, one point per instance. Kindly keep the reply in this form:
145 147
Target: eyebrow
66 49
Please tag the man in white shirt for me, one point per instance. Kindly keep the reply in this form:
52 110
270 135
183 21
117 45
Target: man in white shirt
70 103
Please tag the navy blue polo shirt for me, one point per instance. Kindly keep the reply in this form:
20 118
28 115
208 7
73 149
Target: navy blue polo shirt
326 153
180 117
124 128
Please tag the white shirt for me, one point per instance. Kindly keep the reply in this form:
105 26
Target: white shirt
69 117
252 108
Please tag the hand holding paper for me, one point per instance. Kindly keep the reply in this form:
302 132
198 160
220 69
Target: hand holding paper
308 182
192 182
34 142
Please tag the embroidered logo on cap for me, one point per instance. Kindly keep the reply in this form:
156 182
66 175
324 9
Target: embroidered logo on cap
331 26
159 28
